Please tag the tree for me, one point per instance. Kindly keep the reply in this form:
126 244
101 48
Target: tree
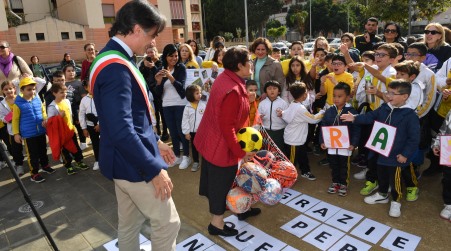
273 23
298 19
276 33
260 10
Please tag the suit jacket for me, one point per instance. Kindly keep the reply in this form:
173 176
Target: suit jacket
128 146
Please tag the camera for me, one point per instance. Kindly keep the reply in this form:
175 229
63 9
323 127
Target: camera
149 59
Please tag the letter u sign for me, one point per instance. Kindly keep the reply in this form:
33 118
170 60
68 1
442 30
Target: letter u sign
382 138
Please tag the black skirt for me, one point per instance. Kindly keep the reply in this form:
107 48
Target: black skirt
215 184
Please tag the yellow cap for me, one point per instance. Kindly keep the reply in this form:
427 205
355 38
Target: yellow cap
26 81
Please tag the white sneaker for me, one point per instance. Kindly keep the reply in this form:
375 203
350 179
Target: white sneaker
195 167
376 198
395 209
96 166
177 161
446 212
186 161
361 175
19 170
83 146
3 165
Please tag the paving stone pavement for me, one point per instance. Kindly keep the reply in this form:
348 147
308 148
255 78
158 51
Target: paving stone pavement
80 210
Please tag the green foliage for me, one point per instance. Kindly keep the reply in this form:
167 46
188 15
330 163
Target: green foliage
228 36
276 33
12 20
238 32
293 9
273 23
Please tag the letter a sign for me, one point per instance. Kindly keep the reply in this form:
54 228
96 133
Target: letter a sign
381 138
335 136
445 150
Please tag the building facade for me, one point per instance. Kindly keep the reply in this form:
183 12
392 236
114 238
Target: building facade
50 28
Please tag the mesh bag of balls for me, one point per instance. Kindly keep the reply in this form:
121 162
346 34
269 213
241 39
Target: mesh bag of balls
264 179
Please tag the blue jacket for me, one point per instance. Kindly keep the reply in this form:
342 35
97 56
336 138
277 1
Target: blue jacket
128 145
407 134
331 118
30 124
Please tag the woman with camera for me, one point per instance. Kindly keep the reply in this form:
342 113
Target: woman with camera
149 67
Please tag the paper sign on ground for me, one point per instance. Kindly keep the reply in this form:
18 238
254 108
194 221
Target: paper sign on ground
335 136
370 230
322 211
399 240
381 138
196 242
111 245
344 220
289 195
300 225
323 237
248 235
302 203
349 243
445 150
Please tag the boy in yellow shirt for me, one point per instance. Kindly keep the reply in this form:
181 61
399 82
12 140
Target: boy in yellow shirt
61 107
339 74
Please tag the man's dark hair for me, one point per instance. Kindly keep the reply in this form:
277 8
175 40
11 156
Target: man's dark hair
343 86
297 90
372 19
233 57
402 86
139 12
272 83
190 91
369 54
329 56
275 49
250 82
58 74
421 47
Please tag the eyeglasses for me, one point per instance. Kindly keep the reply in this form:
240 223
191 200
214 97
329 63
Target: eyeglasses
3 47
338 64
391 94
380 55
427 32
412 55
90 49
390 31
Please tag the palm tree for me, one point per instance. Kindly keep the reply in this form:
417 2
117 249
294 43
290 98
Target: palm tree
299 18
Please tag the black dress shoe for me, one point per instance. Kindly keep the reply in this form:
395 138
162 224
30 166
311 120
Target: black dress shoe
227 231
249 213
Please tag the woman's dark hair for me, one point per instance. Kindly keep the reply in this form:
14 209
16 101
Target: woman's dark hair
196 52
190 91
216 55
137 12
169 49
233 57
305 77
65 55
398 30
263 41
31 59
5 83
67 66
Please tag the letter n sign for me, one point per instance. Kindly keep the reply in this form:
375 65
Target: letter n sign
445 150
335 136
381 138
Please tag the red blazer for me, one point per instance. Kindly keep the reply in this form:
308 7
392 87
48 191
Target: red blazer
59 136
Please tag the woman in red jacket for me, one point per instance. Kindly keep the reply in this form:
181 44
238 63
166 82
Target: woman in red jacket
227 111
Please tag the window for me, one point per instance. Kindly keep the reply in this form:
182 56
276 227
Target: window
24 37
40 36
108 13
64 35
78 35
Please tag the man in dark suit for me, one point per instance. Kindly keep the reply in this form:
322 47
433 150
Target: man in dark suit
366 41
131 153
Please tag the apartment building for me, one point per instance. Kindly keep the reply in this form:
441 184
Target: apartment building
50 28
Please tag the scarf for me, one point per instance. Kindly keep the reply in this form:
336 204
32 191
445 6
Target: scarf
6 64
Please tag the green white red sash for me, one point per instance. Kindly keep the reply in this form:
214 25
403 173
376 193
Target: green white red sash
115 57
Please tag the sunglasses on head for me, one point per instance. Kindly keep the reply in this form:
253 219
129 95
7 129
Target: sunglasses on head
3 47
390 31
427 32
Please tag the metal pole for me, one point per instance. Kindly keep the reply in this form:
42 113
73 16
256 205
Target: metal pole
247 28
310 16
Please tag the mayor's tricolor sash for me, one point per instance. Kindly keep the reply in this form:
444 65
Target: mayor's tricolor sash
115 57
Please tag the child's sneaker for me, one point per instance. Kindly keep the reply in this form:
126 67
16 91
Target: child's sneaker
412 193
376 198
369 188
446 212
195 167
186 161
48 169
19 170
70 170
309 176
395 209
363 163
37 178
81 165
361 175
333 188
96 166
343 191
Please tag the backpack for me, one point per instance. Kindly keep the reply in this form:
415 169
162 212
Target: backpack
17 63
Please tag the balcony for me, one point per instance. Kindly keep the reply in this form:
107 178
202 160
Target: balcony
195 8
196 26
